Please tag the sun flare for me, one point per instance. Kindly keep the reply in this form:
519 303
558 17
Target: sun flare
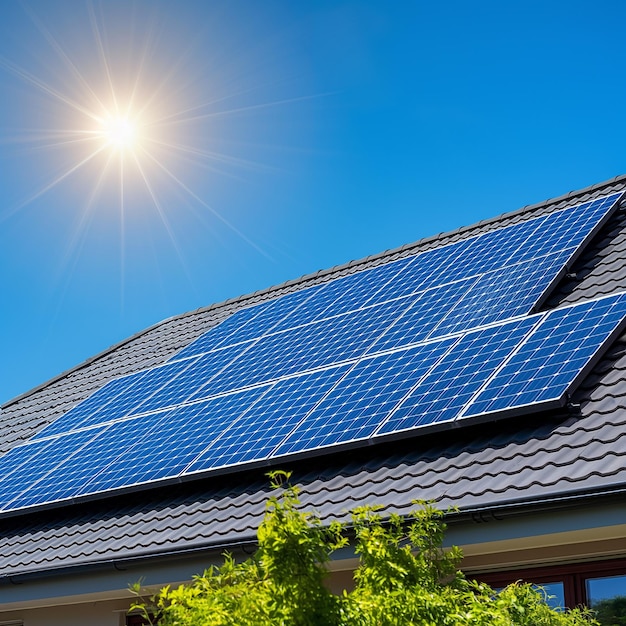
119 132
122 125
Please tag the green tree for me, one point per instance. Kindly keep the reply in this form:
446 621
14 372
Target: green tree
404 578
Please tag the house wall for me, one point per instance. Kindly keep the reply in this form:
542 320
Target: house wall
103 613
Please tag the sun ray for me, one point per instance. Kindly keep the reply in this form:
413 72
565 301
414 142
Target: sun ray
163 216
239 110
56 46
77 239
51 184
102 54
209 154
218 215
47 89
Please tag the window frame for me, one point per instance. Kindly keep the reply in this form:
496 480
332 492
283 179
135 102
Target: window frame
573 576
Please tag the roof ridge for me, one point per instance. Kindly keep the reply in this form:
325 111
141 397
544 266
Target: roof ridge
250 297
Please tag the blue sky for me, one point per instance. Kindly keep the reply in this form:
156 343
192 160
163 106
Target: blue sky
279 138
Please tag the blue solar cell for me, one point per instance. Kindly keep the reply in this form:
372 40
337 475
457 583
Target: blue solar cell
555 355
206 368
18 456
469 257
450 385
345 294
282 308
95 403
182 434
498 248
45 459
217 334
428 269
325 296
424 315
307 347
567 228
247 323
73 472
258 432
364 397
368 289
137 389
502 294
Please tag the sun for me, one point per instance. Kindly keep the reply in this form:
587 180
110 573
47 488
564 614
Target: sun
120 133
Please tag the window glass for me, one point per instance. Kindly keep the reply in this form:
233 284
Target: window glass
607 596
555 593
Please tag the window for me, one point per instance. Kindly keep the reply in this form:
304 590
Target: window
599 585
607 596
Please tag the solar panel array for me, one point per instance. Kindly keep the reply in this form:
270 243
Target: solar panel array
443 336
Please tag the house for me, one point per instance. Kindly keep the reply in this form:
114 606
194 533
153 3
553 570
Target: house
539 484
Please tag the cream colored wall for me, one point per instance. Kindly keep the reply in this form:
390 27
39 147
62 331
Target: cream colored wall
107 613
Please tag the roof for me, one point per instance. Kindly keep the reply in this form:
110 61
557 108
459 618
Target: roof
574 452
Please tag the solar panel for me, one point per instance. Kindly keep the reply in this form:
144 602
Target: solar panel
346 294
248 323
429 269
568 228
444 391
364 397
424 316
501 294
181 436
45 457
255 435
117 398
181 388
440 336
553 357
307 347
79 466
94 404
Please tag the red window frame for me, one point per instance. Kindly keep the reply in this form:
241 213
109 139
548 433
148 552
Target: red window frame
573 577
